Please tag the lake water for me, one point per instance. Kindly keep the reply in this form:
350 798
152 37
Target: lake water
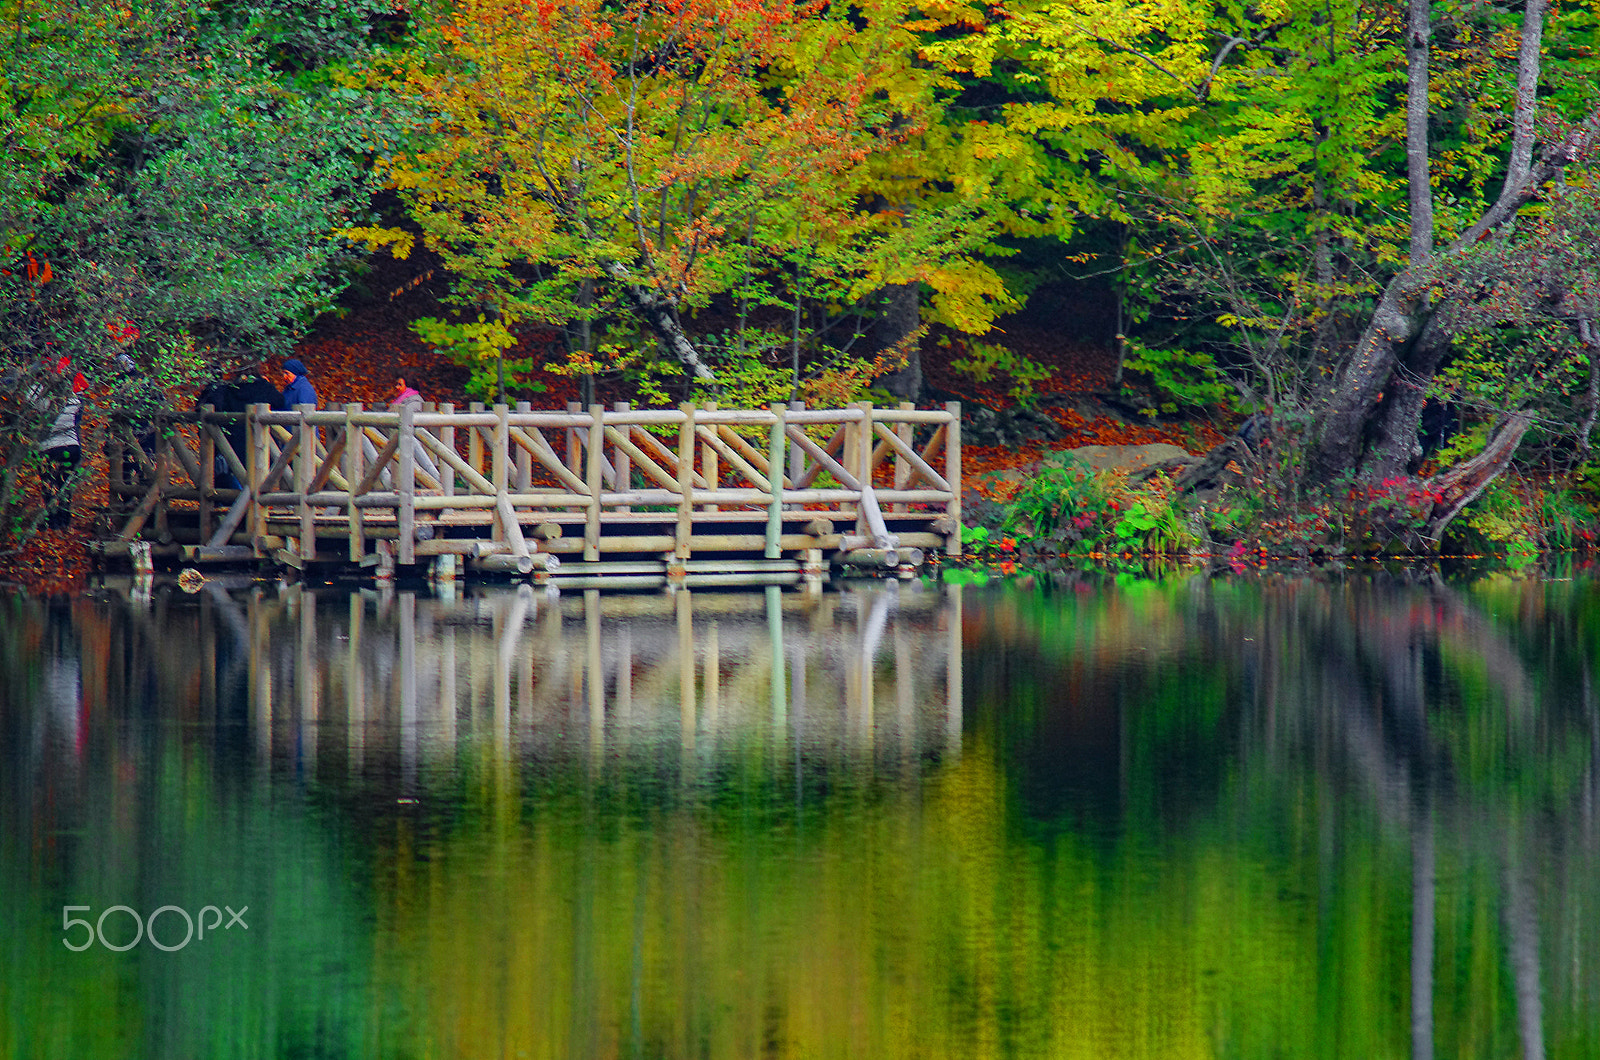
1161 819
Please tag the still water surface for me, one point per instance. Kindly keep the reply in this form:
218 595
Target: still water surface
1186 818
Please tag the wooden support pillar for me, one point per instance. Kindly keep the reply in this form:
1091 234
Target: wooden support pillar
305 466
797 455
574 443
498 468
165 458
447 435
524 458
208 473
260 461
708 463
775 462
114 447
354 472
406 486
475 440
574 447
622 461
902 466
682 548
860 463
595 480
952 473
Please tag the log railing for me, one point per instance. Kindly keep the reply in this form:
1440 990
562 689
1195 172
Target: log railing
513 487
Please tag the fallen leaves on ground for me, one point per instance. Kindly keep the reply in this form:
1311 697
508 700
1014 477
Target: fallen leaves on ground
354 357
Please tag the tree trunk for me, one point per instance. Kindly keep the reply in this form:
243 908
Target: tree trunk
1418 32
1369 421
1348 425
658 313
1461 485
1394 449
897 328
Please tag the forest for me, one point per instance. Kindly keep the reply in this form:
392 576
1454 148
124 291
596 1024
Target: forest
1360 234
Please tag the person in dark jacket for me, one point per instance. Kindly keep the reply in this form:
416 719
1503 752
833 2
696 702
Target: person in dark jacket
250 389
297 388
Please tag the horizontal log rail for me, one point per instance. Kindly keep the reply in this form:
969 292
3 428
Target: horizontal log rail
355 483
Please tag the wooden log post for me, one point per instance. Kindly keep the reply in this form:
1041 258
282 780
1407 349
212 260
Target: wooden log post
447 436
775 461
498 468
475 440
354 472
797 455
406 486
622 462
260 462
952 473
574 461
305 466
682 549
861 464
524 458
708 462
208 473
902 466
595 480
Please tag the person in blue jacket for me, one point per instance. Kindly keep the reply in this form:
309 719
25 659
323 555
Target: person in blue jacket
297 389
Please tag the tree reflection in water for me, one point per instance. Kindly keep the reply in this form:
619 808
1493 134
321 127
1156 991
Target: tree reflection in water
1462 713
1187 818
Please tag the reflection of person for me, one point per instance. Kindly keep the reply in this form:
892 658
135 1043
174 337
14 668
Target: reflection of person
405 395
297 388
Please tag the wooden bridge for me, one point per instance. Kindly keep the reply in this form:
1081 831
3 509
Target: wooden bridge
610 498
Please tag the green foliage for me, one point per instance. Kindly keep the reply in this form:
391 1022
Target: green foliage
163 188
1521 521
1154 523
480 346
984 361
1180 378
1070 515
765 166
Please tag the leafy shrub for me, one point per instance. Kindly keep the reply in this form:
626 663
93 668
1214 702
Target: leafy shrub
1072 512
1180 378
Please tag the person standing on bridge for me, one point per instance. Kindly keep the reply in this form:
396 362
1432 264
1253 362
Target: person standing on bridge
405 395
297 388
61 447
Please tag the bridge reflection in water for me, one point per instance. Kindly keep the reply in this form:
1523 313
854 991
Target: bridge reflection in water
375 679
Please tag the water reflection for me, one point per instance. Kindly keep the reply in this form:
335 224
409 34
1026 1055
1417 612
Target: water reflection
1194 818
344 682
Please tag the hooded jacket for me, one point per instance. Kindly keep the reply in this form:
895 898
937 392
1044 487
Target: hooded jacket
300 391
